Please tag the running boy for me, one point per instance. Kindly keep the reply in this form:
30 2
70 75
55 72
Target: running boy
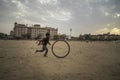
44 42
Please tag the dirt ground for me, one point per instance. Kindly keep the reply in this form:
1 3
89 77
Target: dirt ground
86 61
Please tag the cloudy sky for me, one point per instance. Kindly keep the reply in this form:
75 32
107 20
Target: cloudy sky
83 16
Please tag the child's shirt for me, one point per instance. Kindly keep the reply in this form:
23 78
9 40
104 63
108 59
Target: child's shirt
45 41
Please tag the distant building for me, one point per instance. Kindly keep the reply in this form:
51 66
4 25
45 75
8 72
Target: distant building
34 31
52 31
20 30
11 33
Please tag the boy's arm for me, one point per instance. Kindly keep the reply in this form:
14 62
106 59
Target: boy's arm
40 41
49 43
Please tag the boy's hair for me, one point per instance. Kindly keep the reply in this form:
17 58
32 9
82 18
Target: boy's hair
47 34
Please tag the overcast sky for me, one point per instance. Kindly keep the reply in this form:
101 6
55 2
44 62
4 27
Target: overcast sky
83 16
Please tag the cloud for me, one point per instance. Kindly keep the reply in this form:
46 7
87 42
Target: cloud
115 31
83 16
53 2
61 15
21 9
112 31
116 15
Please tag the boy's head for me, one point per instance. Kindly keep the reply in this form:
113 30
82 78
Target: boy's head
47 34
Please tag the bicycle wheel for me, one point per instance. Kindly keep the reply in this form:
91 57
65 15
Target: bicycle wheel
60 48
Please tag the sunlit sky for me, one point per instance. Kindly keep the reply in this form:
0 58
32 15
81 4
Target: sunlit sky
83 16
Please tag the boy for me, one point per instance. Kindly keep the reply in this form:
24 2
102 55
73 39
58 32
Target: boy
44 42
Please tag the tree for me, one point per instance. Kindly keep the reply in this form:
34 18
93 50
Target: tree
87 36
56 37
80 37
26 36
2 35
63 36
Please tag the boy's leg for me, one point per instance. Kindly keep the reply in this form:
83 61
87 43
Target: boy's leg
46 51
43 48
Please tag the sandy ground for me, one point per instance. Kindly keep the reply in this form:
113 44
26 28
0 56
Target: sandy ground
86 61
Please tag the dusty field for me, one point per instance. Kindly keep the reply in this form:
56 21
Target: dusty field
86 61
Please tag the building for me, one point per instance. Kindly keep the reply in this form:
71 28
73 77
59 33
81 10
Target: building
34 31
11 33
52 31
37 32
20 30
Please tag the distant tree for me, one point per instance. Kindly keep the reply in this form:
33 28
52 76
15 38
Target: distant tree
87 36
3 35
26 36
63 36
56 37
80 37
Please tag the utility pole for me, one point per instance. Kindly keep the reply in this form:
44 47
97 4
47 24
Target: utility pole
70 33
